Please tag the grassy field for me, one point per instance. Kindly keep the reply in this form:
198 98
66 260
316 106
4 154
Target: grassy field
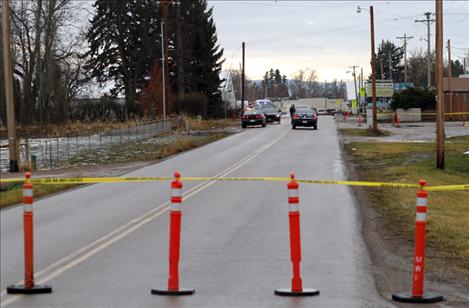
448 213
364 132
140 151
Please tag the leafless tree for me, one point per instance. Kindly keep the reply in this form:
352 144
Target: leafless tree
47 44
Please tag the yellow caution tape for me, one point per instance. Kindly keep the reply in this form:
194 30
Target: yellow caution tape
233 179
87 180
448 187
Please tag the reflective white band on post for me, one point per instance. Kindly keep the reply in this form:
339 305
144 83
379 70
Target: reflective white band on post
27 192
177 192
293 193
421 201
27 207
421 217
175 207
294 207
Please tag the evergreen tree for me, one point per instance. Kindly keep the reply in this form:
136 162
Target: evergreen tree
387 48
124 40
202 57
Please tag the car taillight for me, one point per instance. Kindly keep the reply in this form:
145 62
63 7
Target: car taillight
295 116
258 116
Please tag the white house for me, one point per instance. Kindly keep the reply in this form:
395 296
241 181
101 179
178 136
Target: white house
227 89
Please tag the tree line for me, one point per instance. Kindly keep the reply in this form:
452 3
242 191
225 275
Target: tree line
59 57
390 65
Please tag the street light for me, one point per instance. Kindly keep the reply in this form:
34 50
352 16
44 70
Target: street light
373 64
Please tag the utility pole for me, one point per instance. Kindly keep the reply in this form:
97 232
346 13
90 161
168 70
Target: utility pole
9 99
440 118
166 87
361 74
382 68
325 94
428 21
163 71
390 66
405 38
179 52
242 80
373 73
362 85
450 75
355 81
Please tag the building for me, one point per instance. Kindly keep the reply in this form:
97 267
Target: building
227 89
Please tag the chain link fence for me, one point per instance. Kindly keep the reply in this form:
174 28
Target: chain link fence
59 150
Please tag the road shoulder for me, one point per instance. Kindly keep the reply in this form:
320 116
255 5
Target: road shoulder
391 256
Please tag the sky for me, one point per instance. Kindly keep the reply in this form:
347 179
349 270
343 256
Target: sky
328 36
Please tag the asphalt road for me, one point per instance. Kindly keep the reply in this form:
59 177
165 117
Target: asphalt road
106 245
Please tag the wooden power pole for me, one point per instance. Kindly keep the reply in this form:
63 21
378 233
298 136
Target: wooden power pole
405 38
9 99
428 21
373 69
450 75
242 80
166 86
440 108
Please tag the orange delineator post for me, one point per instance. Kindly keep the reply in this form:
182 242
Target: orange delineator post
398 124
295 244
174 242
29 287
418 295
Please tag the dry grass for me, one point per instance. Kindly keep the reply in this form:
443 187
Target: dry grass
71 128
141 151
448 215
212 124
13 193
368 132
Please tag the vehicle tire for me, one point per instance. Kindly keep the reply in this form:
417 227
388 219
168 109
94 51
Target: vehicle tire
293 126
315 127
264 124
243 125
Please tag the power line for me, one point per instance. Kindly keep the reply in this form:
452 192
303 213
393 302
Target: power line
405 38
428 21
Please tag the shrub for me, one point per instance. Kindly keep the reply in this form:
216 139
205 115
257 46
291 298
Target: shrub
414 98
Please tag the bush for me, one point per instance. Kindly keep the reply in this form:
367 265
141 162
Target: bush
414 98
191 104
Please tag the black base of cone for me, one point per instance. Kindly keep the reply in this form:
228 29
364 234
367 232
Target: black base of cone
289 292
21 289
428 297
179 292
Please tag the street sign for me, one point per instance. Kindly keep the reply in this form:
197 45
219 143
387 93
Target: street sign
384 88
398 87
362 92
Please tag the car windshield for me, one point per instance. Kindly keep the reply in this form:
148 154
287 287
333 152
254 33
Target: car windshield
269 109
304 110
264 104
249 112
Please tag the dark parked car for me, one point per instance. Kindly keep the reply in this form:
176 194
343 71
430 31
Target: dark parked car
271 114
253 117
304 116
